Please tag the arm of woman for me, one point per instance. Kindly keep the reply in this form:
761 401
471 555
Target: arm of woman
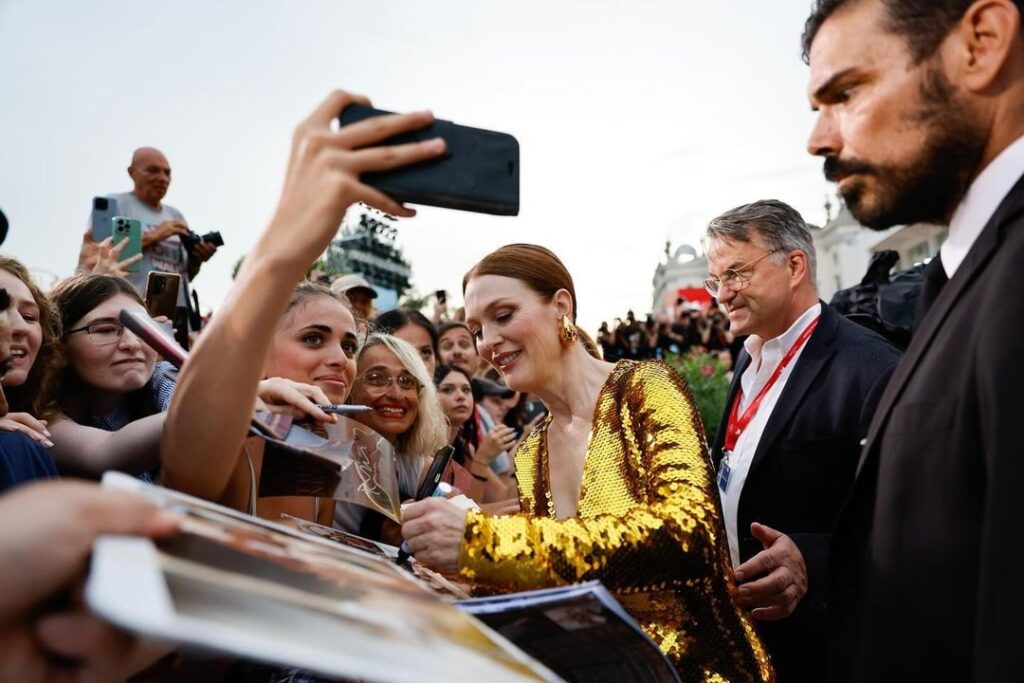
677 537
212 406
89 452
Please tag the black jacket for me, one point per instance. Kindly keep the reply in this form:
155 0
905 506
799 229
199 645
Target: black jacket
803 469
928 569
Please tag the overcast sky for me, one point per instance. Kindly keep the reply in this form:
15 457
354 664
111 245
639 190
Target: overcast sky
637 121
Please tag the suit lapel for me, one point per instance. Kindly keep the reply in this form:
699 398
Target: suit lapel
970 270
808 366
742 363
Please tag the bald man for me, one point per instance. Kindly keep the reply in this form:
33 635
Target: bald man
163 227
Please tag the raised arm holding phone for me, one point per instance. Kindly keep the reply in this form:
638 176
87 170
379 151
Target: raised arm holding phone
205 428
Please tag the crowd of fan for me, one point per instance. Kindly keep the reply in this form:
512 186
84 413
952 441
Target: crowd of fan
690 327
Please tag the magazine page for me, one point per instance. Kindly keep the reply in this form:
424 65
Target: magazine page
348 461
580 632
433 580
261 591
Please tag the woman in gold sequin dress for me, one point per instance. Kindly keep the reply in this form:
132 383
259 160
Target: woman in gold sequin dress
615 486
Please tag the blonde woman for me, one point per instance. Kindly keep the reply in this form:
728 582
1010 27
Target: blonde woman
392 379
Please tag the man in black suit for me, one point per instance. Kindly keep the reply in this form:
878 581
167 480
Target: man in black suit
921 118
802 397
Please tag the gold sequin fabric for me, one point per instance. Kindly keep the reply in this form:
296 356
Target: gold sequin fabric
648 525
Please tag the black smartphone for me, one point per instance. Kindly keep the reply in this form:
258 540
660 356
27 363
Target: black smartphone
437 467
442 296
162 294
478 172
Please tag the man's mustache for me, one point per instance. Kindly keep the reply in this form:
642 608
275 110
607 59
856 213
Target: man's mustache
835 168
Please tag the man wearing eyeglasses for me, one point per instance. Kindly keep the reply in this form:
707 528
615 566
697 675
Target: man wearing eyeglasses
802 396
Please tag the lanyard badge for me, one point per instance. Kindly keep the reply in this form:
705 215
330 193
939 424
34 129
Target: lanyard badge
724 471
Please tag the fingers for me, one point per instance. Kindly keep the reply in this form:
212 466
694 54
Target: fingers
756 592
419 509
36 432
387 157
331 107
765 534
113 512
130 260
58 549
303 398
777 606
205 250
773 613
762 563
79 635
379 128
114 251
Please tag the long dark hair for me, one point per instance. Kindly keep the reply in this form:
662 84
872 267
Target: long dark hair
392 321
33 395
74 298
467 434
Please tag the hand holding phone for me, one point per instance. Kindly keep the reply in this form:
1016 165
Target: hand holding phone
128 229
427 487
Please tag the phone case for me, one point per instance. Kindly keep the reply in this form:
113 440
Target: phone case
478 172
128 229
162 294
103 211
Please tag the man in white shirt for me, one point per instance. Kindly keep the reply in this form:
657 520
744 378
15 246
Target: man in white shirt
801 399
921 118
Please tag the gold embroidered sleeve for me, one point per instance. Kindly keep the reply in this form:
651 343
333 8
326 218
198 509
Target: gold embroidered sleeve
665 542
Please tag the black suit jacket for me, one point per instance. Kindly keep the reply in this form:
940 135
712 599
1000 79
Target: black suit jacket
803 469
928 566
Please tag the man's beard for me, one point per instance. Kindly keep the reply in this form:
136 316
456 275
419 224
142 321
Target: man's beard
928 188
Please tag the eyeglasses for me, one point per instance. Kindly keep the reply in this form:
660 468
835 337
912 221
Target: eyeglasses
735 279
101 332
381 380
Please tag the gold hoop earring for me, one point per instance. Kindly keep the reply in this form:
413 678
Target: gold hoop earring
568 332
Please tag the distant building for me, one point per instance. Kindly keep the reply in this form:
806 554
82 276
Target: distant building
680 276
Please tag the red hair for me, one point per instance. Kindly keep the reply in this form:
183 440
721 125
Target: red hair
540 270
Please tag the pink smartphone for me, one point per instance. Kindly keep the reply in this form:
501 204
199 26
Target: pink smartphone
151 332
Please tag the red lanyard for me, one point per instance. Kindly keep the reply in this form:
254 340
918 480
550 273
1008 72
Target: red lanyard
737 423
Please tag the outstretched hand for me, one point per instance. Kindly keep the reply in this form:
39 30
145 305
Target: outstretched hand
772 582
45 540
323 177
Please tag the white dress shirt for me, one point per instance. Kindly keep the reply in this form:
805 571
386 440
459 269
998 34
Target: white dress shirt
765 356
980 203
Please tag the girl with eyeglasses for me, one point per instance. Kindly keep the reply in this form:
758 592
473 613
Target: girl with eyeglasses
393 380
111 380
